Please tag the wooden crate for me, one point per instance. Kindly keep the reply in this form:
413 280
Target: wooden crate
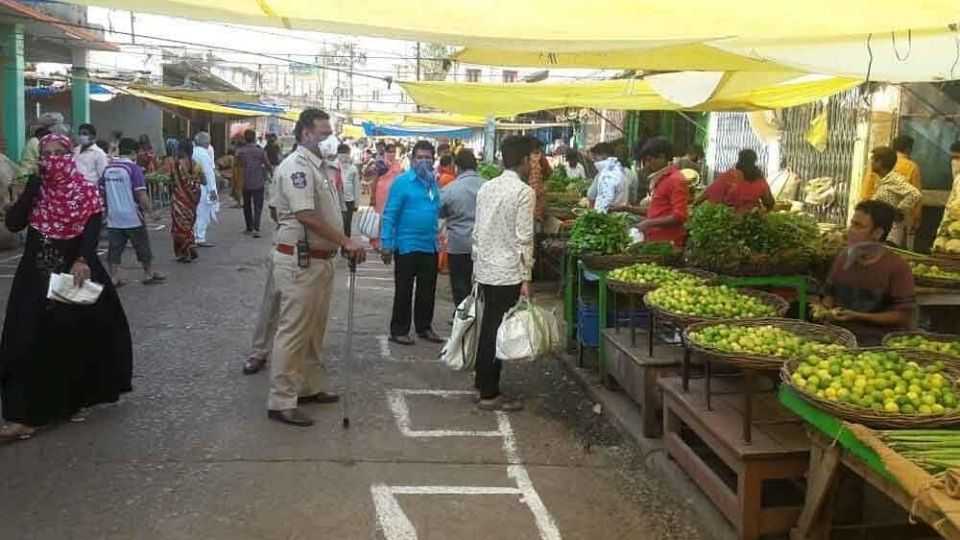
730 472
637 373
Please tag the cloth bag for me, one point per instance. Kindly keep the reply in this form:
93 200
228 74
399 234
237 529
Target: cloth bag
367 222
62 289
460 351
528 332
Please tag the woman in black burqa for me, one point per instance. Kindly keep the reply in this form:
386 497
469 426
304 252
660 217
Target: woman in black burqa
57 358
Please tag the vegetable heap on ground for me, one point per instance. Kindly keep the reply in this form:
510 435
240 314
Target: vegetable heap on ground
599 234
722 240
922 343
767 340
933 271
881 381
654 275
709 302
935 450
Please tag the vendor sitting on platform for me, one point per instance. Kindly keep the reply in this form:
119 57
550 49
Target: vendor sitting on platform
669 196
870 288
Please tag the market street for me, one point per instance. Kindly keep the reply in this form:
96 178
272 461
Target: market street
191 454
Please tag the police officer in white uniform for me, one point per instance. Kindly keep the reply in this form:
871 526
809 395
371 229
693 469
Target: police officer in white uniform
309 235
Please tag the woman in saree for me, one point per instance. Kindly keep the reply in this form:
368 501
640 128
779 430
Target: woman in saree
186 177
58 358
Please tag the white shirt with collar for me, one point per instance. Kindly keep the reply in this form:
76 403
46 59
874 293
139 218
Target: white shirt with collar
611 185
91 162
503 231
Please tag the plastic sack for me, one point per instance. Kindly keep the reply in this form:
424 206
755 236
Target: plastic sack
528 332
460 351
366 221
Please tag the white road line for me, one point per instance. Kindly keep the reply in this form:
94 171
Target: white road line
545 522
384 347
392 520
398 405
374 288
375 278
12 258
6 276
454 490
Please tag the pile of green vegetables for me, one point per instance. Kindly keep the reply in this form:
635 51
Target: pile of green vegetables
662 249
489 171
157 178
599 234
935 450
559 182
722 240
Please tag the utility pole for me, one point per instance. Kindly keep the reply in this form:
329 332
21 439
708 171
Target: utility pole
133 32
418 60
350 77
418 69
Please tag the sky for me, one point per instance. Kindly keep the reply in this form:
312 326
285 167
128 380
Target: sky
259 48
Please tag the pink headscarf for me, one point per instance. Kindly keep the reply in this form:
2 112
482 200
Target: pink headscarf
67 200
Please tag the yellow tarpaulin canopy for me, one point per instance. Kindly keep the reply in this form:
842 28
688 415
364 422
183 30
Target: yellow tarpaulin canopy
191 104
685 57
198 95
735 92
565 25
919 55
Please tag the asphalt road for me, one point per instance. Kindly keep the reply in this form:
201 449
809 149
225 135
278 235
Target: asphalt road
190 453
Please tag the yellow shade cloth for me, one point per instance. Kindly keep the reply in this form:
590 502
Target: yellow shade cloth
191 104
736 93
685 57
564 25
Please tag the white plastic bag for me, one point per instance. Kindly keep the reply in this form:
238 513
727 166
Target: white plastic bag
528 332
366 221
460 351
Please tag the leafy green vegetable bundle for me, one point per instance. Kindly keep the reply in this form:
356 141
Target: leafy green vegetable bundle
723 241
600 234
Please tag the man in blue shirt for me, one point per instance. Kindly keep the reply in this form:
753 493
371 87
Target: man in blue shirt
408 231
125 191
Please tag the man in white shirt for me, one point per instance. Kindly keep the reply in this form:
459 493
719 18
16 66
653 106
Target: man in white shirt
209 204
610 181
91 160
351 185
503 261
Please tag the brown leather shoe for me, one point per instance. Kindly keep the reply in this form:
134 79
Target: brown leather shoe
319 397
253 365
292 417
402 340
431 336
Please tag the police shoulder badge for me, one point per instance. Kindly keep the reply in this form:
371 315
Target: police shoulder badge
299 179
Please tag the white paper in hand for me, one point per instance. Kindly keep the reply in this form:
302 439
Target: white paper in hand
62 289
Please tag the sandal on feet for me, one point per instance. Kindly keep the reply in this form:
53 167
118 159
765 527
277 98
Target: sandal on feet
16 432
79 417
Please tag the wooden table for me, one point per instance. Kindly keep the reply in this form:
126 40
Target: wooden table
638 374
825 461
778 452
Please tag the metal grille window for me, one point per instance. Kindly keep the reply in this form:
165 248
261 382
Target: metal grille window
732 132
836 161
509 76
473 75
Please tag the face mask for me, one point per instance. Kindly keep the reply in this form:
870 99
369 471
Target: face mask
84 140
424 169
54 163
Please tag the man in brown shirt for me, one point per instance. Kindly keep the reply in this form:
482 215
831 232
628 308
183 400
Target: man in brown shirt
870 288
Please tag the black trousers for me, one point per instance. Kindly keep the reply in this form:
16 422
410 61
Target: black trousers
348 217
497 301
461 276
251 212
413 268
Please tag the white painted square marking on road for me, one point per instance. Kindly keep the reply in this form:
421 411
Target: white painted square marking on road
393 521
401 411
